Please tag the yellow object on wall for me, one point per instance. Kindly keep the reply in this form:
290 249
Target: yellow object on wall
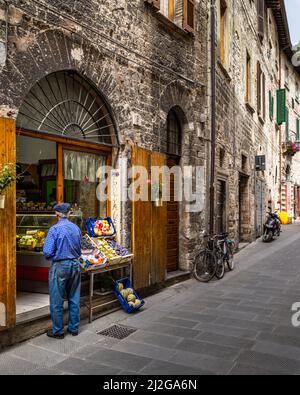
284 218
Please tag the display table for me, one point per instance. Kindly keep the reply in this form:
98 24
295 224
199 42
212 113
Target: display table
126 263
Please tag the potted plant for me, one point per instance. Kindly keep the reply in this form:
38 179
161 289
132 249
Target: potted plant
8 176
157 194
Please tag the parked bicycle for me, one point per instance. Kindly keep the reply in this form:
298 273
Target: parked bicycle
211 261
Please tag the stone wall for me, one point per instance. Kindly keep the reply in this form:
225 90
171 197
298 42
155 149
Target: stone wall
142 64
290 169
241 131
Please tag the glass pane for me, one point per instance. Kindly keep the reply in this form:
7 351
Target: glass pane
37 168
82 174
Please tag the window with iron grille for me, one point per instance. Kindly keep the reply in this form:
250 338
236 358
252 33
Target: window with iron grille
64 103
174 134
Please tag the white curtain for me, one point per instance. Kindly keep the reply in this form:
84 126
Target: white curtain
80 166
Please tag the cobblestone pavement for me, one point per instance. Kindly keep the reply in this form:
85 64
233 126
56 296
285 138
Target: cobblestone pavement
240 325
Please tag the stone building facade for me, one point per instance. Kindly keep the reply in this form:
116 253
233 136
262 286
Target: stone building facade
145 59
138 59
290 163
249 47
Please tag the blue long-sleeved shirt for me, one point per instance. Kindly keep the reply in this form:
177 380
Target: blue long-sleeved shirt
63 241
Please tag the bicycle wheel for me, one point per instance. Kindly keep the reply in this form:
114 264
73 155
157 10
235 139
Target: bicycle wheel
230 257
205 266
220 272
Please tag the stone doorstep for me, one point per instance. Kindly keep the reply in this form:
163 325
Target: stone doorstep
39 325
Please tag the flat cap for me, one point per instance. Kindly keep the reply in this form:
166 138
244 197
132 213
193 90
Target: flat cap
62 208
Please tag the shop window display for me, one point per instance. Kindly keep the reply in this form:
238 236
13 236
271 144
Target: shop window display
82 174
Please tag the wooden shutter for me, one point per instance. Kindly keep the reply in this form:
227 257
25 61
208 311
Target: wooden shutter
171 10
189 15
261 17
259 89
281 106
155 4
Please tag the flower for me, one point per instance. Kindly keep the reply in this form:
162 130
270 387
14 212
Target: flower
8 175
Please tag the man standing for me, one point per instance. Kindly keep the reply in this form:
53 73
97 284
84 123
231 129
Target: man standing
63 248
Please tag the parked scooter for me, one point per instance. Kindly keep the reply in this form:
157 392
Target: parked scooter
272 227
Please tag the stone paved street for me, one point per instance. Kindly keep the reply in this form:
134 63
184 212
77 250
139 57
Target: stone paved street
241 325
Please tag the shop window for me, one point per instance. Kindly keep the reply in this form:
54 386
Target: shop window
37 168
41 172
174 134
82 174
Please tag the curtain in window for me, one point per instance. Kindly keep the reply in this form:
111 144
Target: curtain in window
80 166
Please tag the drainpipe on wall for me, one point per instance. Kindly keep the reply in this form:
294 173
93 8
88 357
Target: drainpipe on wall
213 117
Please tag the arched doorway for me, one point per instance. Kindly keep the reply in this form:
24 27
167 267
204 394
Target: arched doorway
174 139
65 136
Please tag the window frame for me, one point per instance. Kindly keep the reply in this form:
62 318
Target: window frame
248 96
186 25
176 134
223 11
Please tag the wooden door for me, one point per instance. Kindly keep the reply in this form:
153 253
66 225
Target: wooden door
221 207
8 230
172 223
159 237
148 229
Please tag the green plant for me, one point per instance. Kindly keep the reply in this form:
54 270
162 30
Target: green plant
8 176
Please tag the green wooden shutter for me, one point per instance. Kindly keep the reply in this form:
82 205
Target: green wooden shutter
298 130
281 106
287 126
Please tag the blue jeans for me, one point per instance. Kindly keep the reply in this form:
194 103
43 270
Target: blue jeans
65 279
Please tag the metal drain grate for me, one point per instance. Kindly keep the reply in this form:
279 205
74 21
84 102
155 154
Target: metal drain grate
117 332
